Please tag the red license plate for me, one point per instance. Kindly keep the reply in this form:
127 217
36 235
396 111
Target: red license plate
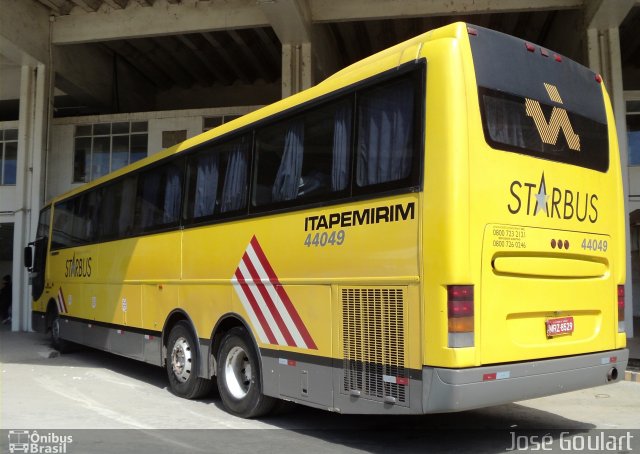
559 326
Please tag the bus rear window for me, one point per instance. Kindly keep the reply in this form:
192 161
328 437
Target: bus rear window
528 126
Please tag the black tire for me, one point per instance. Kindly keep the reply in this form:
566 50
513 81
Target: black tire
183 362
239 376
57 342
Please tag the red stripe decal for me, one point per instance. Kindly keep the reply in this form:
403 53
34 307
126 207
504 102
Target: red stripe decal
295 317
256 308
64 304
265 296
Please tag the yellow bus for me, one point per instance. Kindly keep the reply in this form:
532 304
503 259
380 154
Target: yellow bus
438 227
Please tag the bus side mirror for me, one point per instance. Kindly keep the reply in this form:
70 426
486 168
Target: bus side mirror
28 257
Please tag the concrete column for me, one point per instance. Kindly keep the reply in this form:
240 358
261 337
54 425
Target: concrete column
297 71
604 57
32 124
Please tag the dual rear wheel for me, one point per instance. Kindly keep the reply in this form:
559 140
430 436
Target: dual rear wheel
238 371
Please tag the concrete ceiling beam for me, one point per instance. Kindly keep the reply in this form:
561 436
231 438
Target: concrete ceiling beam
352 10
605 14
88 5
86 73
290 19
24 32
157 20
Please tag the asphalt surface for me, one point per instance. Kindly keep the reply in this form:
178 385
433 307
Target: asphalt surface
83 393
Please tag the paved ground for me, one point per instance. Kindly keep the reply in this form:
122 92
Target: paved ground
89 389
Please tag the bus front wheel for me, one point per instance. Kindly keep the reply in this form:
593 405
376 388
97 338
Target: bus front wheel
57 342
183 362
239 376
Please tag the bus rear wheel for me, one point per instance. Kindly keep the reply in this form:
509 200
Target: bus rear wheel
183 362
239 376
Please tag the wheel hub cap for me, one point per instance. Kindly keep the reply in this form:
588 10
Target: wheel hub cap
237 372
181 360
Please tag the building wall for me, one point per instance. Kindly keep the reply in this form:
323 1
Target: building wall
60 159
8 202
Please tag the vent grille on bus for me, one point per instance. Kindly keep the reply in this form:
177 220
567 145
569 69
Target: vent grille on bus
373 341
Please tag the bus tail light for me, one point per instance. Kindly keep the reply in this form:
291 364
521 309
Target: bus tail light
460 312
621 324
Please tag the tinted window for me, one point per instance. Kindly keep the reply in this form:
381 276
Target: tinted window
117 209
218 178
386 133
539 103
43 223
159 196
63 225
308 156
532 127
85 220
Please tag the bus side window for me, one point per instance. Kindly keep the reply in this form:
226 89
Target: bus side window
203 181
116 209
157 203
236 176
62 224
385 137
85 214
217 180
305 156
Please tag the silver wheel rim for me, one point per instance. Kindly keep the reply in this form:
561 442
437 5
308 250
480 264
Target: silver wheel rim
181 359
55 329
237 372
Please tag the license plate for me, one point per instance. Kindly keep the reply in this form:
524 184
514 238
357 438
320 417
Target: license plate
559 326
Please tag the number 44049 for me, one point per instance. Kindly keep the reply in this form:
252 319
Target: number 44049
325 239
595 245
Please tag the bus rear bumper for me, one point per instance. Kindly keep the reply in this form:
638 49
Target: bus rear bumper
447 390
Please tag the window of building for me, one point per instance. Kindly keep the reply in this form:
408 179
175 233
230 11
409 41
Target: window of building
6 243
633 132
8 156
101 148
171 138
213 122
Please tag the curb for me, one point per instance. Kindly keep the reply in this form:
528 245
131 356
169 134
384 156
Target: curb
632 376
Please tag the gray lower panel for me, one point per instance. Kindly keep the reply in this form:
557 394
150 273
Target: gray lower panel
204 366
300 381
448 390
320 385
131 344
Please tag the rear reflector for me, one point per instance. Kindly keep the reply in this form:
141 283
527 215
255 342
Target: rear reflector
460 314
621 324
530 47
496 375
